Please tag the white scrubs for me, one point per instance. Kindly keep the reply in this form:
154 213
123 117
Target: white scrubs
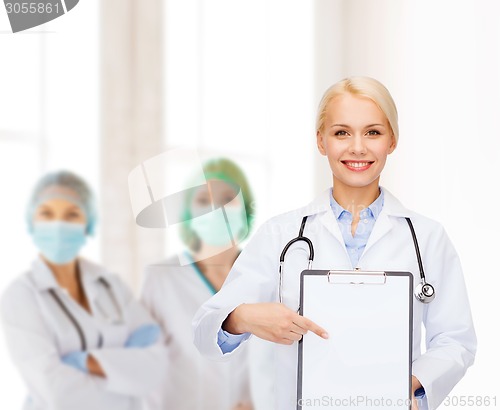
449 332
172 293
39 333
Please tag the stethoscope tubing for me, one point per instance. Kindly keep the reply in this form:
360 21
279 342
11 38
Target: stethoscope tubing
74 321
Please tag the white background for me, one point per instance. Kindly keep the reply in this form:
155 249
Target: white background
243 79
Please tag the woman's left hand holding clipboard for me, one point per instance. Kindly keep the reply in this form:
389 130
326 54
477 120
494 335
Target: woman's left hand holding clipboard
271 321
415 385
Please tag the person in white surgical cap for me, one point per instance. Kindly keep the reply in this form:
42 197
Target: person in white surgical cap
217 216
74 331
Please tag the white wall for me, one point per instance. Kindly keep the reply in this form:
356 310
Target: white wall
239 81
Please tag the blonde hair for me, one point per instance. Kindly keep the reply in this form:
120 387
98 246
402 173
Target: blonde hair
365 87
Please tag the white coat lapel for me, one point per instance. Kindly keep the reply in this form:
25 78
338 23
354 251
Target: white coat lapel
320 207
328 220
382 226
95 285
384 223
42 276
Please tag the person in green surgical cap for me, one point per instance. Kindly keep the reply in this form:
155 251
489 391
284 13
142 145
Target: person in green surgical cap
217 217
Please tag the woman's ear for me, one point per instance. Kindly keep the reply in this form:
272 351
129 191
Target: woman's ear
392 147
319 142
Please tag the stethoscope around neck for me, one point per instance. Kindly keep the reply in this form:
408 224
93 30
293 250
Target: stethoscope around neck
74 321
424 292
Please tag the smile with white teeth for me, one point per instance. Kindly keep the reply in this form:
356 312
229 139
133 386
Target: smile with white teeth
357 164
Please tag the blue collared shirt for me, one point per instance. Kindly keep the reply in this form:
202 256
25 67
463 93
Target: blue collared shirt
355 245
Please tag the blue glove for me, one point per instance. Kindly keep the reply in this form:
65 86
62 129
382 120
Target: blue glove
144 336
78 360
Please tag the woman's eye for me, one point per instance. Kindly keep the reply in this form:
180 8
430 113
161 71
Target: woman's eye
341 133
45 213
72 216
373 132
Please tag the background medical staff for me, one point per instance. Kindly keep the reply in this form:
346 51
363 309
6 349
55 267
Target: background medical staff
354 224
74 331
174 289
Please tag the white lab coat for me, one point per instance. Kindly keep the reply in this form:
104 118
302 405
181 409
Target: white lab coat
450 337
173 293
39 333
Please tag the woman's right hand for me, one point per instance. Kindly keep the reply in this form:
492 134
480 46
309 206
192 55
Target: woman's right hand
271 321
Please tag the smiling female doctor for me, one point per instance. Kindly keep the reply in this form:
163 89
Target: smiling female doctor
354 224
74 331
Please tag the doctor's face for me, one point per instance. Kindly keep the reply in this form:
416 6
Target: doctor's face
217 229
356 138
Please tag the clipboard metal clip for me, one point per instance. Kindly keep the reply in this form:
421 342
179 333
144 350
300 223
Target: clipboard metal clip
356 277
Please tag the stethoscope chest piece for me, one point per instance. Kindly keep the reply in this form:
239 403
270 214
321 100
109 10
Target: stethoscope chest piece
424 292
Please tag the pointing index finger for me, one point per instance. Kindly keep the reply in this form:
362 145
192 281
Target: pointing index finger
308 324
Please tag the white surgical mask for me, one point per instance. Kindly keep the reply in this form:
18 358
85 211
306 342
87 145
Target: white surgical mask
212 228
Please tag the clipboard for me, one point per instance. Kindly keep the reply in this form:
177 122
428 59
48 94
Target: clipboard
366 362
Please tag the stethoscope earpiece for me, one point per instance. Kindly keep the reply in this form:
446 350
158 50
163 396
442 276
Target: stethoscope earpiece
424 292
